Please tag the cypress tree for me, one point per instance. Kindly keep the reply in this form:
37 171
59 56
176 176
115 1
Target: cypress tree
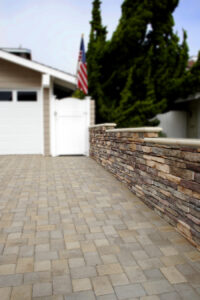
125 51
169 56
94 55
146 39
140 70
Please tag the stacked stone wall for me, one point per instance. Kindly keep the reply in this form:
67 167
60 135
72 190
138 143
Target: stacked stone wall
165 176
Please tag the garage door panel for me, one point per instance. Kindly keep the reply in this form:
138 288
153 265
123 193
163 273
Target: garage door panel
21 127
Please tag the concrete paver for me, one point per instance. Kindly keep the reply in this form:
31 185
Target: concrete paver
70 230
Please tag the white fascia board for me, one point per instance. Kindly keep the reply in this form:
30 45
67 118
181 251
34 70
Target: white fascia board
46 80
38 67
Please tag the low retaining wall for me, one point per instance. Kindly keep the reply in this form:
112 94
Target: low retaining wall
164 173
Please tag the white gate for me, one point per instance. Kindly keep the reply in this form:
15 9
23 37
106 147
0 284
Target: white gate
72 120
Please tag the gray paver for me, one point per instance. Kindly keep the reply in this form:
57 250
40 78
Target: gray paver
86 295
11 280
83 272
92 259
42 289
107 297
189 294
34 277
157 287
62 285
171 296
65 221
129 291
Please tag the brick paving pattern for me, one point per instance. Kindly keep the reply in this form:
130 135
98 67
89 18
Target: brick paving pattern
71 231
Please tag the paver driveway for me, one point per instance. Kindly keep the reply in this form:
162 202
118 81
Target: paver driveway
70 230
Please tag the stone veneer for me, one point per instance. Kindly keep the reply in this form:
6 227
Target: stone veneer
164 173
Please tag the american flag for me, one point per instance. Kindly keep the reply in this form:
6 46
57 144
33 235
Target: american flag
82 79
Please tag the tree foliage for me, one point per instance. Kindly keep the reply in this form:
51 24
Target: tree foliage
190 83
138 73
94 56
78 94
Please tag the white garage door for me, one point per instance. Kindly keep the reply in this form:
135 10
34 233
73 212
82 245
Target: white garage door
71 126
21 130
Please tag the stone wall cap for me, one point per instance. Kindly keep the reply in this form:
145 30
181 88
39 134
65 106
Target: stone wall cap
174 141
103 125
136 129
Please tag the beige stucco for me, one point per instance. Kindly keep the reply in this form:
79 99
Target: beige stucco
92 112
14 76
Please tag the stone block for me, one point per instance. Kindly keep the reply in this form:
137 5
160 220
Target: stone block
194 186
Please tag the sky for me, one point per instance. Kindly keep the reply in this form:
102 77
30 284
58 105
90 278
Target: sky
52 28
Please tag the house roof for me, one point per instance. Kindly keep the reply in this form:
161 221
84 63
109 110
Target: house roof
195 96
22 52
192 61
36 66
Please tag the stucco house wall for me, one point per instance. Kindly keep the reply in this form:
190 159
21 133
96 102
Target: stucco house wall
174 123
13 76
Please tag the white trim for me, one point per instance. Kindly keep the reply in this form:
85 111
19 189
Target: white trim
38 67
52 121
41 94
45 80
88 119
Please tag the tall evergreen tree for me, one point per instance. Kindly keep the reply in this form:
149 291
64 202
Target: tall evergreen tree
142 65
145 43
94 54
169 56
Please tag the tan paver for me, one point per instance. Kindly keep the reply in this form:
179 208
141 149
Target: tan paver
81 284
76 262
23 292
193 255
24 265
44 265
102 286
7 269
5 293
173 275
109 269
70 230
60 267
119 279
